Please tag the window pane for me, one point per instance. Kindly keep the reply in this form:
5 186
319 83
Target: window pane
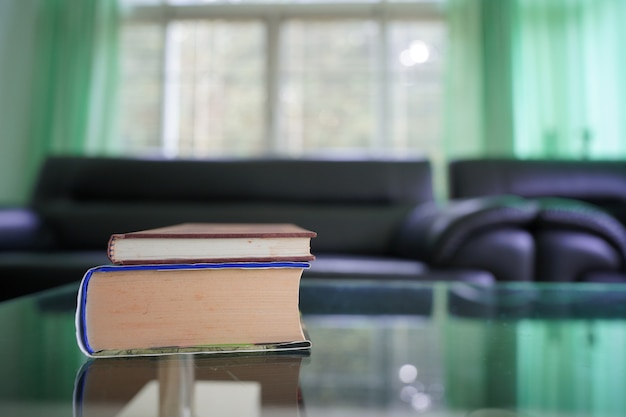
140 87
417 86
215 78
328 85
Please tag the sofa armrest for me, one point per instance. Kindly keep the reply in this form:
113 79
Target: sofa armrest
488 233
576 239
576 215
22 229
435 233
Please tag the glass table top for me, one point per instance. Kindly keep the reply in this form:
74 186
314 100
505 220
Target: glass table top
379 349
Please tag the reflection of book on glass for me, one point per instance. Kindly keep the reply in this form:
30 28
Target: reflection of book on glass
212 242
224 385
187 308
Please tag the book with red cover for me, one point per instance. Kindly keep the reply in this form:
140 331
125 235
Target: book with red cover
212 242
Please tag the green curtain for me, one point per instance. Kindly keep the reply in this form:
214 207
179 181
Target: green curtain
571 79
16 44
58 94
76 58
536 78
479 117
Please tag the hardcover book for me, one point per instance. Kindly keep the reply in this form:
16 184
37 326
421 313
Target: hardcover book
222 385
130 310
212 242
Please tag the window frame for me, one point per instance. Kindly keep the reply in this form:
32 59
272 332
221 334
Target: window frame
272 15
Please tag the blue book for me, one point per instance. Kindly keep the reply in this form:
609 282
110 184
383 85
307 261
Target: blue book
136 310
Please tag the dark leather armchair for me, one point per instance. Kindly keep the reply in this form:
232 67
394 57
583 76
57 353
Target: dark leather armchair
484 233
578 229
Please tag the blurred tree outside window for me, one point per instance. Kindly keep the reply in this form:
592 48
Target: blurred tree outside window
253 78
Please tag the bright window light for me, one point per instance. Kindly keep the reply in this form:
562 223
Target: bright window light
250 78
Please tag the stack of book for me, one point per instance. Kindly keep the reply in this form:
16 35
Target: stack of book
196 287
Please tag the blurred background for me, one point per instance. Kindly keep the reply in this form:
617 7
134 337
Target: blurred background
435 79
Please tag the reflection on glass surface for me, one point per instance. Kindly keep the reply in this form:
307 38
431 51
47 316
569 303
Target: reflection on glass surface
479 351
38 355
356 361
379 349
550 349
189 385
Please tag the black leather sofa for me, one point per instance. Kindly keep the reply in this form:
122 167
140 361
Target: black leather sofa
374 218
577 232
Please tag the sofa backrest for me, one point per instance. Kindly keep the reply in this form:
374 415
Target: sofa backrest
355 206
600 182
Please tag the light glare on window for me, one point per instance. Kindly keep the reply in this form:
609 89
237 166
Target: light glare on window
417 53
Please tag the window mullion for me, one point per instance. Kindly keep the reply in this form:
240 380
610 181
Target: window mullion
170 106
272 84
382 138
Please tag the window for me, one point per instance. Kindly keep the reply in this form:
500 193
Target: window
250 78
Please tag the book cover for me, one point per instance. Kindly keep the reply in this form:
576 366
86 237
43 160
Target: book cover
212 242
241 385
145 310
